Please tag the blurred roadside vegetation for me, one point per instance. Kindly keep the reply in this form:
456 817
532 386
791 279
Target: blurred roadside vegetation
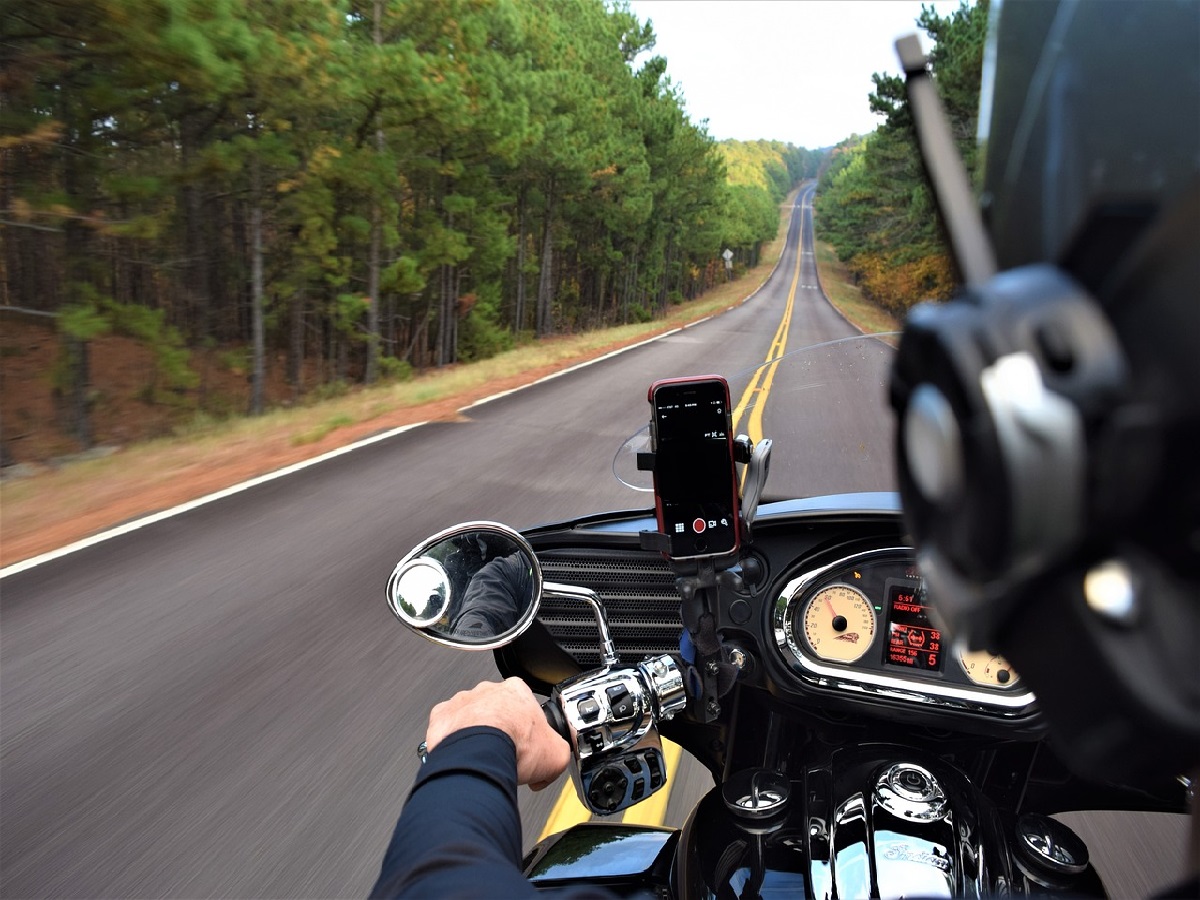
203 454
355 190
874 204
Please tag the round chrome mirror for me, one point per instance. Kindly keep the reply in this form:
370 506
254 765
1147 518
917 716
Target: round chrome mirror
420 592
475 586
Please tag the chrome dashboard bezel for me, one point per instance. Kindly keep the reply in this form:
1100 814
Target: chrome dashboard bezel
845 679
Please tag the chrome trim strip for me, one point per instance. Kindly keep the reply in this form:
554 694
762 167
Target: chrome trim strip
820 675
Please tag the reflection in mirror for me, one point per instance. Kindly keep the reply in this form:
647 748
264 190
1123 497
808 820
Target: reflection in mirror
476 585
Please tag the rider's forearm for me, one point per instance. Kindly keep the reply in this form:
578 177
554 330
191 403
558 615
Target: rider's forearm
463 837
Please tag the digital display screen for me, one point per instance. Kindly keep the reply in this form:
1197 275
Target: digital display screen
693 474
913 642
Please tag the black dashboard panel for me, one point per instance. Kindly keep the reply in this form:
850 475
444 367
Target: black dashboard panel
844 552
864 625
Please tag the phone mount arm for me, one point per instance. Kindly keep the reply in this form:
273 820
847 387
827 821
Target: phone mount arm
711 675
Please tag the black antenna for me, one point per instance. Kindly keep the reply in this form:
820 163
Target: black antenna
972 250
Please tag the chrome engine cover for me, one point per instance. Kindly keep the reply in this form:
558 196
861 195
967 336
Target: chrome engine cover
872 821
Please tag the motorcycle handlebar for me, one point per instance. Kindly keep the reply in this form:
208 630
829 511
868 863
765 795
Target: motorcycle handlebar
556 720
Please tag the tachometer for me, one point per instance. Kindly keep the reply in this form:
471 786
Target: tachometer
838 623
986 668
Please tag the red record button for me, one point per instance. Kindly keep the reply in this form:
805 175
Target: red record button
699 525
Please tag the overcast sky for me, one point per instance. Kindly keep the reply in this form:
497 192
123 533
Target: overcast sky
796 71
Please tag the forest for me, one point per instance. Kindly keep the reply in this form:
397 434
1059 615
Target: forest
874 203
360 188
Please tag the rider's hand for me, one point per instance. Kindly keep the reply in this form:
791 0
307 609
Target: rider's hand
510 706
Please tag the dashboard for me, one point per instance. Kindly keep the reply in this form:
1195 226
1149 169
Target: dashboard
834 630
838 615
865 625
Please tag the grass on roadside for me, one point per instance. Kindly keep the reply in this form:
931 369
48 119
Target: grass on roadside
842 293
331 424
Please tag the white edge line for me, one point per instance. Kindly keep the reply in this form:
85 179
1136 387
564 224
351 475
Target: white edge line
94 539
34 561
575 368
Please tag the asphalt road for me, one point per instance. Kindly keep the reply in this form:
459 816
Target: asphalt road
220 704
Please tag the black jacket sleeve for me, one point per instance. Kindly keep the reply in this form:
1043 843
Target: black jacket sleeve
495 599
460 832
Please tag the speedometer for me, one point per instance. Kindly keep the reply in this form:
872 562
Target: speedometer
838 623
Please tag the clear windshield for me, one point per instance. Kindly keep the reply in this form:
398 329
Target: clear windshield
824 406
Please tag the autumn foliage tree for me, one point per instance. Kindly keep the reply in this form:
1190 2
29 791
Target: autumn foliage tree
874 203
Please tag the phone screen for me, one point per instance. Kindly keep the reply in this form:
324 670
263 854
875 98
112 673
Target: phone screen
694 484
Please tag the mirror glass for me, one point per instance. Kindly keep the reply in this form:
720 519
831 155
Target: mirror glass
422 593
476 585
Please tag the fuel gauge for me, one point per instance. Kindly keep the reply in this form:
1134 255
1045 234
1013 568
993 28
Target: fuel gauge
987 669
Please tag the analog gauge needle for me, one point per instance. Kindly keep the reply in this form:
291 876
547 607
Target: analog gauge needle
839 622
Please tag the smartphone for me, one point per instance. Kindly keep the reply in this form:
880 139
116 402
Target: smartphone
695 485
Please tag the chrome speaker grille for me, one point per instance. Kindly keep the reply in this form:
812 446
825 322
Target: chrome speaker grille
637 590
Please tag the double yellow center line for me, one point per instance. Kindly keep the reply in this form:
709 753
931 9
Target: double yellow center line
754 397
568 810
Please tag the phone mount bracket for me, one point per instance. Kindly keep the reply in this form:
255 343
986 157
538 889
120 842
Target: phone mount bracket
710 674
758 466
757 460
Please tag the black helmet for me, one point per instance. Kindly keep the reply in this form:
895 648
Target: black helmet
1050 417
